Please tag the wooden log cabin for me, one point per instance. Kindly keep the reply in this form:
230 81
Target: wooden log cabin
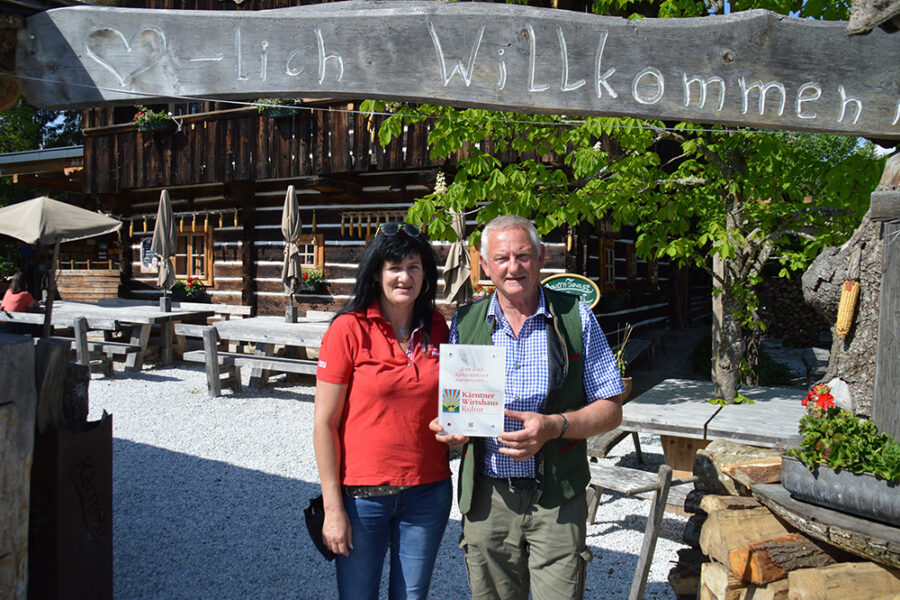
227 170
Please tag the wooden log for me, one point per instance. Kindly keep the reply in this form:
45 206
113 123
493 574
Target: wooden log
692 529
777 590
18 407
727 530
684 577
772 559
869 539
563 62
714 502
51 360
717 583
765 470
710 462
692 501
844 581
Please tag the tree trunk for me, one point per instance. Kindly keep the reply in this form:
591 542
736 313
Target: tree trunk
727 364
852 359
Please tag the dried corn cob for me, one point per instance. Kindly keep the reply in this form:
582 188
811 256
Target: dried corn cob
847 307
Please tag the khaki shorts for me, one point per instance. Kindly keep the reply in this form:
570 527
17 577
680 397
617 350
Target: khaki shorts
511 542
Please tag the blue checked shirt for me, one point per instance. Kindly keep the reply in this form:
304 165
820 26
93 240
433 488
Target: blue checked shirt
528 374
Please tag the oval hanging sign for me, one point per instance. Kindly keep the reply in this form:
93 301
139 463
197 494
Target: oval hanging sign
577 285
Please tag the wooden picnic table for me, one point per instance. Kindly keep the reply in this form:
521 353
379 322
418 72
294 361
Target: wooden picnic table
678 410
266 333
139 318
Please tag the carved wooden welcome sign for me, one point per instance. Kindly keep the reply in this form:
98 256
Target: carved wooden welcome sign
752 68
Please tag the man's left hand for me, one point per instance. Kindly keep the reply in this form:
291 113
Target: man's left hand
536 430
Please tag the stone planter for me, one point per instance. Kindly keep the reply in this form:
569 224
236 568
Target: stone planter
862 495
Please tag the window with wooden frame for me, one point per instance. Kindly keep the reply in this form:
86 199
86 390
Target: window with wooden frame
475 265
194 255
312 250
607 264
631 269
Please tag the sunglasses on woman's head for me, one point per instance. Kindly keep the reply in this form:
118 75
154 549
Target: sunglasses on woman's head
390 229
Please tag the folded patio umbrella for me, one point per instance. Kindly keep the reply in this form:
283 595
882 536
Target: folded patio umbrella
163 242
291 224
457 271
45 221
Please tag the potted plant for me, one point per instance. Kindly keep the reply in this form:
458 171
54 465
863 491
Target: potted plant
189 290
276 107
310 279
149 120
843 462
481 291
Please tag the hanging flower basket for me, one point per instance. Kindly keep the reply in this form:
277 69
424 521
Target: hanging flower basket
153 120
168 125
275 108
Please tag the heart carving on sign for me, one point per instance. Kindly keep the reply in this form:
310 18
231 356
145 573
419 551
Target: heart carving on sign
125 58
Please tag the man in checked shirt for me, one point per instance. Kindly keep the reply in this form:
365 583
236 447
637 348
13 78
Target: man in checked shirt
522 494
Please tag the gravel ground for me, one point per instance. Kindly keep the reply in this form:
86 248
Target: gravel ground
208 498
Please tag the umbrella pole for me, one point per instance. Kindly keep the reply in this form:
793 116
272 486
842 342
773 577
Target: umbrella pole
165 302
290 312
51 293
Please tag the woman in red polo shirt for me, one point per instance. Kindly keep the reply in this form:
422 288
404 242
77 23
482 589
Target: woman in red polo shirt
16 299
385 478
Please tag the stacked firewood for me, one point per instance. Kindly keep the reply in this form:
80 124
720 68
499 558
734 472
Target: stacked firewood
740 550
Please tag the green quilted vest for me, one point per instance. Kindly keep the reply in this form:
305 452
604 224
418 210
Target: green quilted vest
563 462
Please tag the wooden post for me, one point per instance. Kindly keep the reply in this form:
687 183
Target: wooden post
18 402
211 350
651 533
81 346
886 209
242 195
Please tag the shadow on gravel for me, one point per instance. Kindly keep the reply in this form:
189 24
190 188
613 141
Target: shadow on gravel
186 527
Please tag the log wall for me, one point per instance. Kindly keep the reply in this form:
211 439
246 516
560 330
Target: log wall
87 285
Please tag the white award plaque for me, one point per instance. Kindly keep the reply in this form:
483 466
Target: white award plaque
471 389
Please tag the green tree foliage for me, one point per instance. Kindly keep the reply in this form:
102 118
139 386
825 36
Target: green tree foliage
699 196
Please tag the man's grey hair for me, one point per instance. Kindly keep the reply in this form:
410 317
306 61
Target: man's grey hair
510 222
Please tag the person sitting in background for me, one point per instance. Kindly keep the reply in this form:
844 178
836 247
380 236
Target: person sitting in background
16 299
385 478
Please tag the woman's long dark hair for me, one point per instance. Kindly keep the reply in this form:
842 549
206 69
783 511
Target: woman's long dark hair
395 248
18 283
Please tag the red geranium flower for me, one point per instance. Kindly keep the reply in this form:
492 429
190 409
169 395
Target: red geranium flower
825 400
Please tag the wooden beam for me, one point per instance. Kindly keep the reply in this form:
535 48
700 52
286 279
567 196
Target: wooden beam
753 68
18 407
885 405
50 182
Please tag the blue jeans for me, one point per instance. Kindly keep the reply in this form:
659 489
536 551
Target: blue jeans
412 523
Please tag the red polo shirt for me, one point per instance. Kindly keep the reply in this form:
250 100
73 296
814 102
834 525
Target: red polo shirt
391 398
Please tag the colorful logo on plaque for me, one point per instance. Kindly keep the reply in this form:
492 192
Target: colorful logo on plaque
450 400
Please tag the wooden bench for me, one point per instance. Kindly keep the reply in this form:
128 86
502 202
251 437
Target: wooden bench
231 362
633 482
106 350
84 348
